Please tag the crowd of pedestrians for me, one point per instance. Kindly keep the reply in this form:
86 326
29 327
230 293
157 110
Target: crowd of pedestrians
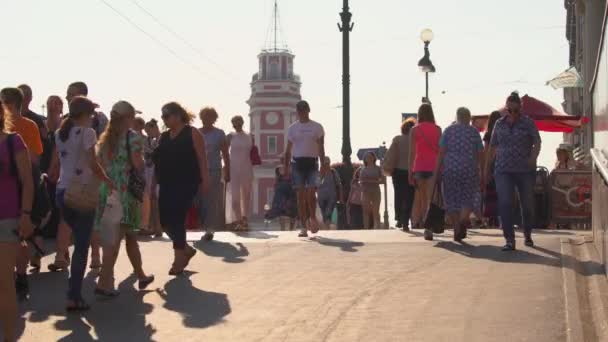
94 180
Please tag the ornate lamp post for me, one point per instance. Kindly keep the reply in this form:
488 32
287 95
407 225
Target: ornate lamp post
425 63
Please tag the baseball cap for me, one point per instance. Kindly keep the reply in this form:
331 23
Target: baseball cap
121 108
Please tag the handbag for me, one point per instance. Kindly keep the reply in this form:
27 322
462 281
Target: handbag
82 196
254 155
435 215
356 195
137 183
109 222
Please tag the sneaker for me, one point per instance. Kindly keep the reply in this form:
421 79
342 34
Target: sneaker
406 229
208 236
509 247
529 242
399 224
303 234
428 235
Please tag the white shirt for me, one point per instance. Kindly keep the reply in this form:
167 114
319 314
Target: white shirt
74 155
305 138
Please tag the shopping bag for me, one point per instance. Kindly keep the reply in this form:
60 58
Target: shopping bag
109 223
334 216
435 215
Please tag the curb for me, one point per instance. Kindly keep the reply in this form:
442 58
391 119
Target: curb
585 291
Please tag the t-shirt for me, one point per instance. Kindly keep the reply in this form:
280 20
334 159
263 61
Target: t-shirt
38 119
28 130
214 141
305 138
402 142
74 155
9 201
100 122
371 172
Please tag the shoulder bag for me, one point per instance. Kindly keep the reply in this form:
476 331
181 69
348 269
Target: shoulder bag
435 215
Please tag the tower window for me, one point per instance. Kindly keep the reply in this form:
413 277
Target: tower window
272 145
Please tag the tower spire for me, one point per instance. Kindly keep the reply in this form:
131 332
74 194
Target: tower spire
275 40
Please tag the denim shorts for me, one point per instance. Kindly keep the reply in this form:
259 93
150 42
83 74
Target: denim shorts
423 175
306 181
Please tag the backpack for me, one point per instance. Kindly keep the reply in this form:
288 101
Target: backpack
41 204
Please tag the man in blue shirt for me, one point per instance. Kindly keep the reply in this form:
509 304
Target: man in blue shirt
516 144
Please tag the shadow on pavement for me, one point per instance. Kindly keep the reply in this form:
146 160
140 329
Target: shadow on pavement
119 319
199 309
494 253
256 235
344 245
230 253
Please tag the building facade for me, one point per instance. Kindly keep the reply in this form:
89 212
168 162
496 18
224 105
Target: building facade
275 91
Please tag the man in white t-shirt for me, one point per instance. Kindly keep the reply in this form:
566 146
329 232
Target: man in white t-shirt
306 151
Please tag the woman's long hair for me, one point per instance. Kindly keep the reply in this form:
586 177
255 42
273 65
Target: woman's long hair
79 107
425 113
492 122
5 121
174 108
108 142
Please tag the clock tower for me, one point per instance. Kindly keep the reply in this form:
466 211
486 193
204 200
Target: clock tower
275 91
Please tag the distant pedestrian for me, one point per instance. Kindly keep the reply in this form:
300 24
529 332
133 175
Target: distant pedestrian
403 190
120 151
306 144
460 164
330 191
424 149
181 170
241 174
354 212
490 198
152 222
27 112
75 143
211 205
284 203
100 120
516 144
15 222
370 179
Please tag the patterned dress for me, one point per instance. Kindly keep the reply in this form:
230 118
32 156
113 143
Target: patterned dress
117 167
461 188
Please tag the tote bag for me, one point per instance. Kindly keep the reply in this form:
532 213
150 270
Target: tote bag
80 195
110 220
435 215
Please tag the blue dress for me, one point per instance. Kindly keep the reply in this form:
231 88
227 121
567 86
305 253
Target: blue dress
461 187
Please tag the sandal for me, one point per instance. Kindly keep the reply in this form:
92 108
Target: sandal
58 266
95 265
107 294
36 261
144 282
78 306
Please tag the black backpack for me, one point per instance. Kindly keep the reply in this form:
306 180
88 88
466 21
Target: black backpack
41 206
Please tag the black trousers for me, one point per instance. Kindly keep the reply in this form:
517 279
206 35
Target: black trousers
404 196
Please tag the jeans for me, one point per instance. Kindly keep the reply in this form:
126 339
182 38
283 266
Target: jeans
82 227
327 205
174 201
404 196
506 185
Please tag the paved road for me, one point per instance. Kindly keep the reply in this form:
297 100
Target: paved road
340 286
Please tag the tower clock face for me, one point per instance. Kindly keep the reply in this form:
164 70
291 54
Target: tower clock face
272 118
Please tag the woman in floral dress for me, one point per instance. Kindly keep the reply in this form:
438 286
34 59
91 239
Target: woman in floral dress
461 156
112 150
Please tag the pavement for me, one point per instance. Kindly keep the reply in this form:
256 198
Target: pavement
337 286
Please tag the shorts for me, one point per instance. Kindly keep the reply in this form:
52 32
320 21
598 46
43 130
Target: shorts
423 175
7 230
309 180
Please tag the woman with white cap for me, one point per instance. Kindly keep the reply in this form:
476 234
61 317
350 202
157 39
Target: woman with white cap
120 151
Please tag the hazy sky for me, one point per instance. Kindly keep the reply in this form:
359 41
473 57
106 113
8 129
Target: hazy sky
483 49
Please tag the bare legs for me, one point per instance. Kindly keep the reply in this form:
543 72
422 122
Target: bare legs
371 209
8 304
110 254
423 199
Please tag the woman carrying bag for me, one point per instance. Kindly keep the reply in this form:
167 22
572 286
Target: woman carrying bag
120 151
78 189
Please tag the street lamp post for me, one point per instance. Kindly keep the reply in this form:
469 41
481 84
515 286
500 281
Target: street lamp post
425 63
346 170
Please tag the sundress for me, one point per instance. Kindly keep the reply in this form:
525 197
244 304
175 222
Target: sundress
461 184
117 167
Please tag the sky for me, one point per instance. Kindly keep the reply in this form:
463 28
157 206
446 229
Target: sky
483 50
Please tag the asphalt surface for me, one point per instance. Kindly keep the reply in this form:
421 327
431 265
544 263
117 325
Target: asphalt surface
338 286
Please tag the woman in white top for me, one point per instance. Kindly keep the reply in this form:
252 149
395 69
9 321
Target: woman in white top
241 173
75 143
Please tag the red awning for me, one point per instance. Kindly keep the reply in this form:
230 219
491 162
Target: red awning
547 118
